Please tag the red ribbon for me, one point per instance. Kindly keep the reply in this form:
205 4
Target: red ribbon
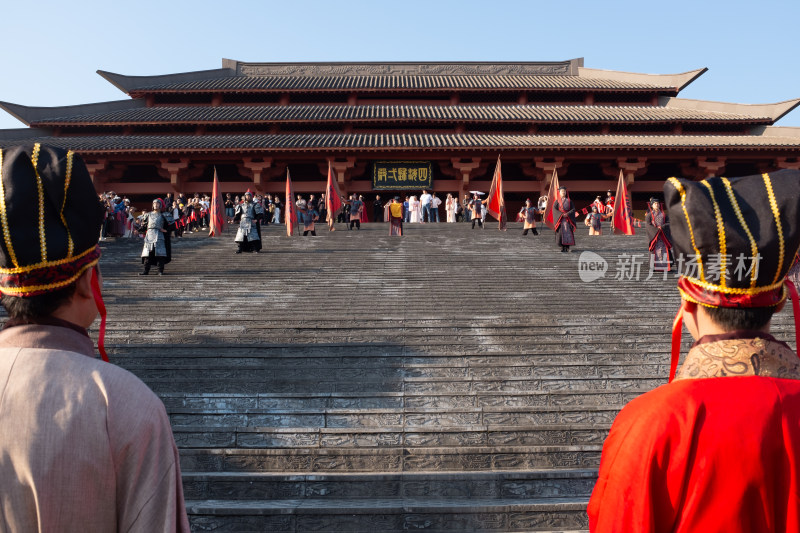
101 308
677 328
796 311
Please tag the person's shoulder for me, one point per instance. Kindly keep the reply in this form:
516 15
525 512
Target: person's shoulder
78 372
656 405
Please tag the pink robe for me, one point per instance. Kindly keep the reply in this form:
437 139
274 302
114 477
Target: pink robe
84 445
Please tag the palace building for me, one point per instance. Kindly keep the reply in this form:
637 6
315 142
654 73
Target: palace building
394 127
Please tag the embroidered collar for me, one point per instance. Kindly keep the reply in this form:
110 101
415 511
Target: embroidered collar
740 353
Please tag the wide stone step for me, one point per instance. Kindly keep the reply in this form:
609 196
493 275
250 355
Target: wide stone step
423 459
407 385
392 418
337 373
371 437
392 356
435 487
320 400
389 515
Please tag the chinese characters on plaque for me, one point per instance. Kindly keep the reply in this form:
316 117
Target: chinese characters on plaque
395 175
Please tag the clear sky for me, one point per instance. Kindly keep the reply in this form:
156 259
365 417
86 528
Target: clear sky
51 49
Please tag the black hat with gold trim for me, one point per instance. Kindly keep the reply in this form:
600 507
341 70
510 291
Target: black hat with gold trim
50 218
734 239
743 232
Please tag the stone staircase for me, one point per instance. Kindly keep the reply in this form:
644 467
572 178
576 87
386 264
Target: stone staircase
449 380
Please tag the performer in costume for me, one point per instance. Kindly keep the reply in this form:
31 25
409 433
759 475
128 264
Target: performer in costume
157 245
610 203
594 221
476 207
396 217
718 448
657 225
529 218
565 227
598 203
307 215
356 207
248 236
85 445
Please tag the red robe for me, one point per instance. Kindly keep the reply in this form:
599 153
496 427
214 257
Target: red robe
718 454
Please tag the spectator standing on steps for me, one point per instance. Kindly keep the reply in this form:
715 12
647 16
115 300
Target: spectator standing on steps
84 445
377 209
425 206
450 207
435 203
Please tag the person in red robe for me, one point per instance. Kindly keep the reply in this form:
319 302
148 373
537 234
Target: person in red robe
718 448
565 227
658 233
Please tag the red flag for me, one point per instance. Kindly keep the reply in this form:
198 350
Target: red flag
495 203
622 217
217 219
291 207
585 211
333 200
552 194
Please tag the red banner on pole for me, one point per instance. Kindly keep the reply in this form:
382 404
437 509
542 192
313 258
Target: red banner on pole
217 215
291 207
552 194
622 217
496 203
333 199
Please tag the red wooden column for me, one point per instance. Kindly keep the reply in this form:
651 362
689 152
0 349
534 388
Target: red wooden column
174 168
544 171
342 169
96 169
256 168
632 167
465 167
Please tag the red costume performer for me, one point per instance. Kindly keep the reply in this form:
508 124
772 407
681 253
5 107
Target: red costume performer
718 449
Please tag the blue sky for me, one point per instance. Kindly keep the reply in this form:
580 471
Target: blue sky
53 48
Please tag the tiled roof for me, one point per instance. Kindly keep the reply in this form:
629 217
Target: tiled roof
458 113
401 83
396 142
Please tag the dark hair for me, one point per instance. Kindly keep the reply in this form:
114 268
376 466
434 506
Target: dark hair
734 318
38 306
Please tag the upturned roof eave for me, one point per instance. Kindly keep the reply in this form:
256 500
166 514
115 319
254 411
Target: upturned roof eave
38 115
128 84
773 111
678 81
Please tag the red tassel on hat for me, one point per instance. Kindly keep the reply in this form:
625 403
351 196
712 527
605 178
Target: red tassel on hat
796 310
101 308
677 329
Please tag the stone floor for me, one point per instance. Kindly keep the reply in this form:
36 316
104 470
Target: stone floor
449 380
